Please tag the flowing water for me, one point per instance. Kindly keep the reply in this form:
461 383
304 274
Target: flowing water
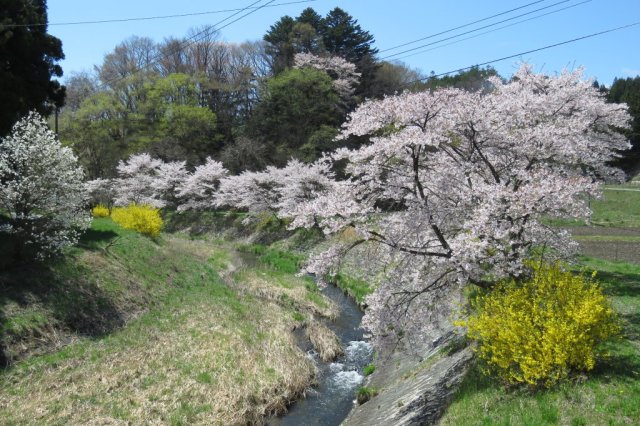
329 403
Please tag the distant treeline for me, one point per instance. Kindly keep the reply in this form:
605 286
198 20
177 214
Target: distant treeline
245 104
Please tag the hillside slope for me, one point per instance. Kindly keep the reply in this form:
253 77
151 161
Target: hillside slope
128 329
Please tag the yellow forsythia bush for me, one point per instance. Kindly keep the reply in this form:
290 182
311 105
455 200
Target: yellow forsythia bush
538 331
100 211
141 218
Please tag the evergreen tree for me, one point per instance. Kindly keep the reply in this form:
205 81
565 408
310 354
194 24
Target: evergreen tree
336 34
311 17
29 60
279 47
343 36
628 91
296 104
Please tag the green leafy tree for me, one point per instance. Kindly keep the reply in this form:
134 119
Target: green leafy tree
295 105
179 128
188 132
97 132
472 80
391 78
29 59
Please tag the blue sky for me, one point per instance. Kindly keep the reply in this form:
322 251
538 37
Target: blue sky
392 23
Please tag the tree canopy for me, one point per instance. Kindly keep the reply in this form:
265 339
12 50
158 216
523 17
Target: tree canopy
337 34
29 59
41 190
627 90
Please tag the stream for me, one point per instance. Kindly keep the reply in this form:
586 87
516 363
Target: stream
329 403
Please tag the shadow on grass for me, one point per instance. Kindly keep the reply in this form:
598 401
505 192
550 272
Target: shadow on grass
42 305
631 324
475 382
94 239
615 370
619 284
199 223
619 367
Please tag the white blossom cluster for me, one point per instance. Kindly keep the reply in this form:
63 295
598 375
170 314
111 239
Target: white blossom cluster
199 190
146 180
275 190
343 73
136 181
41 189
101 191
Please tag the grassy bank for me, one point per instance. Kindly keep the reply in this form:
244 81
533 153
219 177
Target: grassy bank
618 207
129 329
609 395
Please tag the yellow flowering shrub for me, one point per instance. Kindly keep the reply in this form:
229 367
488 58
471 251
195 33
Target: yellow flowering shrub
538 331
141 218
100 211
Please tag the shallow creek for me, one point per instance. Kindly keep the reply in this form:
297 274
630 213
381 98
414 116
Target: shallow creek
329 403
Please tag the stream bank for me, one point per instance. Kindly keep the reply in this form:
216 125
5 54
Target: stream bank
414 383
332 399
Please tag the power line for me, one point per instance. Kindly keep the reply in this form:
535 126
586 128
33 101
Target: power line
461 26
476 29
494 30
524 53
148 18
193 39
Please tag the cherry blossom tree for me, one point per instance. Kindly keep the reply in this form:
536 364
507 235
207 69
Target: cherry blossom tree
344 74
198 190
278 191
101 191
169 178
41 190
136 182
254 192
299 183
454 185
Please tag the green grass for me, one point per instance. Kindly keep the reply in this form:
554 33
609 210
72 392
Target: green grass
365 393
155 335
608 238
368 369
279 260
616 208
607 395
356 288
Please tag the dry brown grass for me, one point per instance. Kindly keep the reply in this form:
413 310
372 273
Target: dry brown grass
325 341
285 290
211 368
